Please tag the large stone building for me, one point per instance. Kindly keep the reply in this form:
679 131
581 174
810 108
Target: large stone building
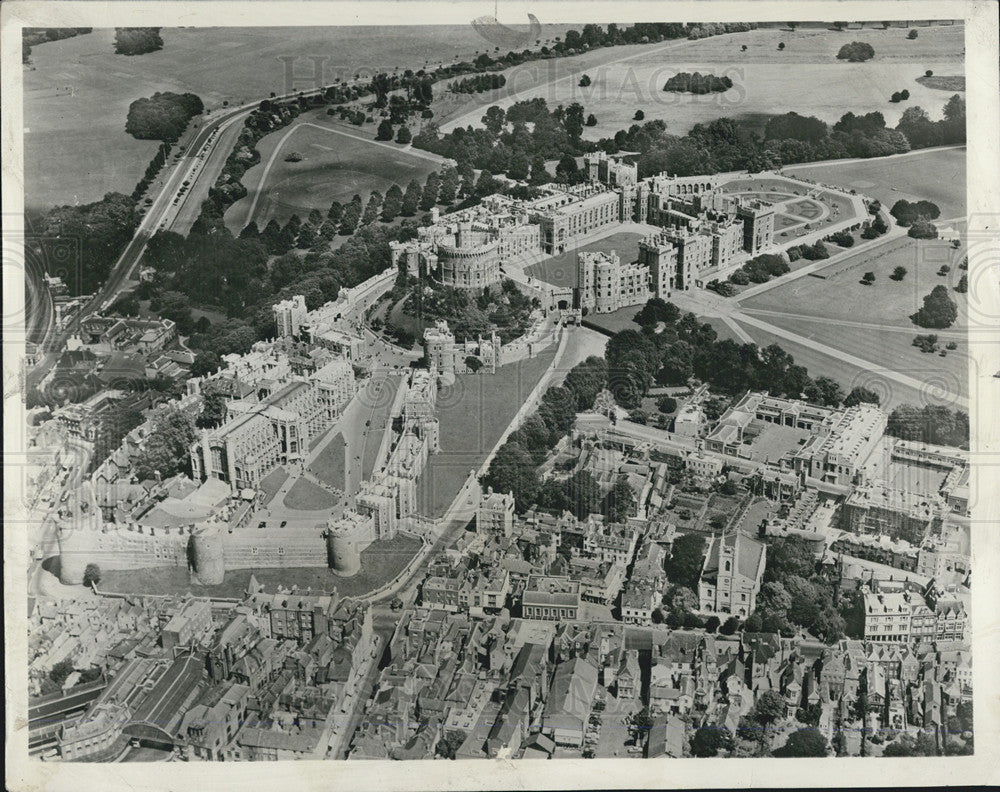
272 427
467 248
565 214
606 284
731 575
445 355
289 316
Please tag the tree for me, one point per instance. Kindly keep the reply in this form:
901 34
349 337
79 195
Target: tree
621 501
404 135
639 115
582 495
165 451
856 52
729 626
591 120
686 558
666 404
804 742
91 575
411 199
567 168
911 35
60 671
392 204
861 395
909 212
513 470
712 624
769 708
938 311
823 390
449 744
709 740
205 363
921 229
898 273
429 196
214 397
384 131
963 284
781 45
584 81
868 279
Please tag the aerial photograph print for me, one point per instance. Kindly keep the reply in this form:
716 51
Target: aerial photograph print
522 390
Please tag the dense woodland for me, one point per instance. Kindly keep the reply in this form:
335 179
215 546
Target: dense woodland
163 116
137 40
32 37
512 141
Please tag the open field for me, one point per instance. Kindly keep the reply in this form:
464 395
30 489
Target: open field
76 148
936 175
380 562
886 349
841 296
848 375
561 270
622 320
338 161
473 413
943 83
621 84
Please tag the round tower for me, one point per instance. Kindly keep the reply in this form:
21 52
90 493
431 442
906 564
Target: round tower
74 553
343 552
208 558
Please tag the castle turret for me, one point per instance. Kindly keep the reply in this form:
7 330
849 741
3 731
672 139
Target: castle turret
208 558
346 537
73 555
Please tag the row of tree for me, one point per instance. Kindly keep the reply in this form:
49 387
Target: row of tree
697 83
32 37
478 84
515 466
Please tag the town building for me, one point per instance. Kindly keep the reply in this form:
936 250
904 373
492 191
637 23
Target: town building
731 575
290 316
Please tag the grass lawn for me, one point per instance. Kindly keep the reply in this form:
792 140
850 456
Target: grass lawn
887 350
378 418
380 562
932 175
76 147
329 465
473 413
760 77
561 270
722 505
583 342
306 496
820 364
840 295
335 166
272 482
